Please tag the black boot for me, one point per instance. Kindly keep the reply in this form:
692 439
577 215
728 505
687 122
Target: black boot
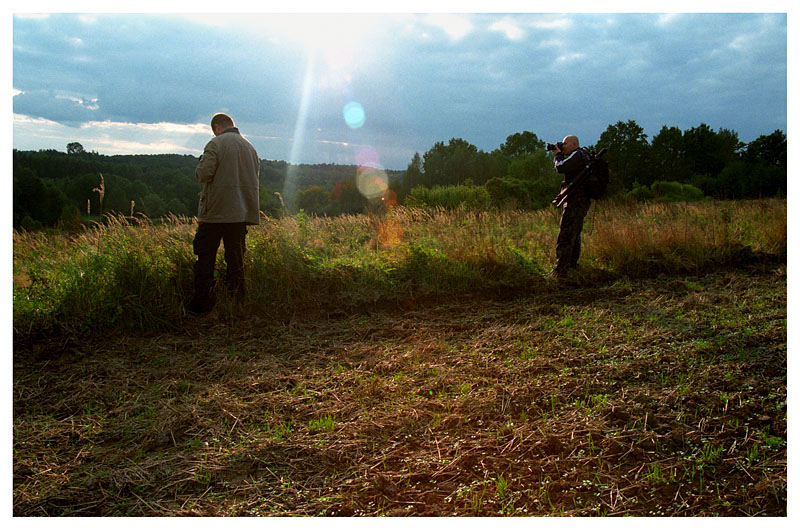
202 302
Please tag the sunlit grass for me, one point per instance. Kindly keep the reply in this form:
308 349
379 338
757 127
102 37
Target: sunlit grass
135 275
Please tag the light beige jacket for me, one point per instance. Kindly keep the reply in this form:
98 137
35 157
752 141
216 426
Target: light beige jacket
229 169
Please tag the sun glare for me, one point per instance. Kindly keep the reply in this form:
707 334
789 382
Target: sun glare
339 40
337 47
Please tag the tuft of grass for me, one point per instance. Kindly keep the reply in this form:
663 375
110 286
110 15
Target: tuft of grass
322 425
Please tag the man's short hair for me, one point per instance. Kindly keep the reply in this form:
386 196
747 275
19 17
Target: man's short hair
221 120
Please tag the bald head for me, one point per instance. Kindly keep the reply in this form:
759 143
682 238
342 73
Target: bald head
570 144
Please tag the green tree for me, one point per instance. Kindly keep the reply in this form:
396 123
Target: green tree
269 202
176 207
627 155
766 162
153 205
531 166
521 144
347 198
451 164
413 176
708 152
668 157
508 193
70 218
314 200
74 148
768 150
33 198
28 192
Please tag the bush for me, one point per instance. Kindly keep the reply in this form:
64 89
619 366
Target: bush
666 191
449 197
508 193
29 224
70 219
675 191
640 193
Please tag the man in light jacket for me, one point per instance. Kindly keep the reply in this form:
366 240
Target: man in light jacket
229 170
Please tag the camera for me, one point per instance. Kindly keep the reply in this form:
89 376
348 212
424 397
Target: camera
558 145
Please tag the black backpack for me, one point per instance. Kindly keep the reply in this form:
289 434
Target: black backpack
596 182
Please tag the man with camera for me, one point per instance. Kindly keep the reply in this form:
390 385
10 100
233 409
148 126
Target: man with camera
228 170
570 160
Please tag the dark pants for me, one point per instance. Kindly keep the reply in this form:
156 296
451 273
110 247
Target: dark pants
568 245
206 244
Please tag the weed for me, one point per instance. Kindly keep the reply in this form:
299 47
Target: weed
322 425
655 474
280 431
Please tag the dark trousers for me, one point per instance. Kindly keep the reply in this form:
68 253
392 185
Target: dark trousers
206 244
568 245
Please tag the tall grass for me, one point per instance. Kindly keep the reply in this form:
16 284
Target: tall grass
136 276
689 237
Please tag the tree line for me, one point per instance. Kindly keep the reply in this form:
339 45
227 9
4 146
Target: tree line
67 188
52 188
695 163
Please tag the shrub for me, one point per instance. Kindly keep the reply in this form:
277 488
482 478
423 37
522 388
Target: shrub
640 193
508 193
450 197
675 191
30 224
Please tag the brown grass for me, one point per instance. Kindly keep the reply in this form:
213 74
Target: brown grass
663 396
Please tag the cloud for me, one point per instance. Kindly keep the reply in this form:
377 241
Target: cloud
455 26
112 137
552 22
511 30
418 78
61 107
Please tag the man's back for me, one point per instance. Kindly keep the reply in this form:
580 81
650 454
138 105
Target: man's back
229 168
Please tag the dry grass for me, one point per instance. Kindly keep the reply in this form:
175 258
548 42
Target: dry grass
93 281
416 363
646 397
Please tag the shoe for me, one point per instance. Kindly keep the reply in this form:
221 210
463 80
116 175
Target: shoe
198 308
558 273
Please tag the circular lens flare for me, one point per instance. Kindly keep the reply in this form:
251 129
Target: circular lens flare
354 115
367 156
372 182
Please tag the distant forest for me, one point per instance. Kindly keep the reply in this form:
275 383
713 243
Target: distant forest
52 188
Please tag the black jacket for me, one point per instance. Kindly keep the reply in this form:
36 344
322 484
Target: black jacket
570 167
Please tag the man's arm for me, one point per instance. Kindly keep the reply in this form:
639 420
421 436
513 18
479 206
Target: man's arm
574 162
207 167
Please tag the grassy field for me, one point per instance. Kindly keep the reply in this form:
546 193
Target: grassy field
416 363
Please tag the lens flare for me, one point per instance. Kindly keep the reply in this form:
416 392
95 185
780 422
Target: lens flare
367 156
372 182
354 115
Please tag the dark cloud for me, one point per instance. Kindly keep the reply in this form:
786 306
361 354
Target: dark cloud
420 79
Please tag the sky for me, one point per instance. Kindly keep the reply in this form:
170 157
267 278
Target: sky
355 88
